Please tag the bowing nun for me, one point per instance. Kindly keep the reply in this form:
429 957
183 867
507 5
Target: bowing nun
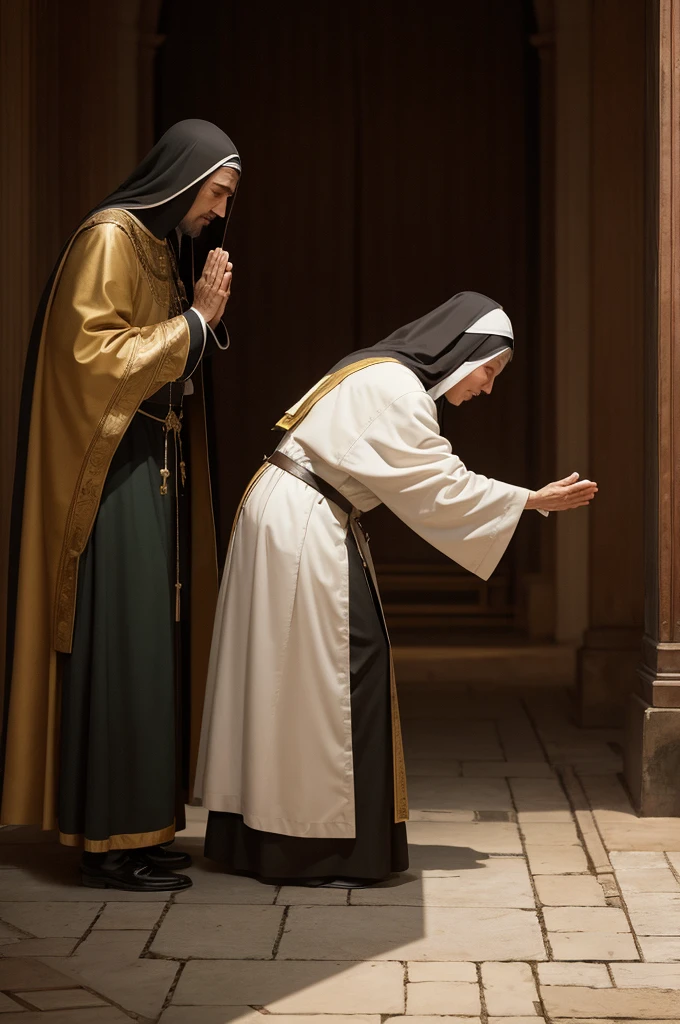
300 759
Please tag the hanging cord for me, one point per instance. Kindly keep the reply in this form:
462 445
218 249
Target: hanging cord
173 424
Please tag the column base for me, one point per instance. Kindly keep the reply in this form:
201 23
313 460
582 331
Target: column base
607 674
653 758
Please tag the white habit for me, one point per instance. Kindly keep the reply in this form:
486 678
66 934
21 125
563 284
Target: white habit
276 742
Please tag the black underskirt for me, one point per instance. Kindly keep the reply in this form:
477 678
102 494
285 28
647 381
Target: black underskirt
380 847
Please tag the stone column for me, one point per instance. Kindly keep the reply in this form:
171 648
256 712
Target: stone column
653 747
572 304
540 584
614 360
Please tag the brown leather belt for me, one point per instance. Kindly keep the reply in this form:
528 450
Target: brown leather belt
282 461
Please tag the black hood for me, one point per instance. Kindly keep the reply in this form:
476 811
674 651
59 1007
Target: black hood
162 188
436 345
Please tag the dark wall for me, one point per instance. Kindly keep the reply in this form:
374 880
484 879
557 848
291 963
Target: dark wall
385 167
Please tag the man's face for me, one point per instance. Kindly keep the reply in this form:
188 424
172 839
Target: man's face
211 201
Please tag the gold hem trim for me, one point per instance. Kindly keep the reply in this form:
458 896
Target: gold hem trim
291 419
125 841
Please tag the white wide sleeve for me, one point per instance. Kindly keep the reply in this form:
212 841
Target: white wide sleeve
403 459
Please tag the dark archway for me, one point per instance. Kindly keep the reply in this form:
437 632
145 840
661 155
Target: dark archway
391 159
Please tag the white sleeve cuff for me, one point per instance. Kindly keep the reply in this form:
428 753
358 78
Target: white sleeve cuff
217 340
543 512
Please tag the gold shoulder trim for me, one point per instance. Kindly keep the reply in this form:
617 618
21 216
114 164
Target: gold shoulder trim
325 385
154 255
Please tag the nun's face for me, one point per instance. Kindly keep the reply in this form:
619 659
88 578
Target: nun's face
479 380
211 201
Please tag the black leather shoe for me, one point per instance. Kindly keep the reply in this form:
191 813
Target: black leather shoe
166 857
131 872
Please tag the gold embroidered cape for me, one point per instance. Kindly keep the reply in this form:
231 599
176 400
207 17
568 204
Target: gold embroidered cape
112 335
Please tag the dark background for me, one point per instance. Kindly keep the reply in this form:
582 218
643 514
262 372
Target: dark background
390 160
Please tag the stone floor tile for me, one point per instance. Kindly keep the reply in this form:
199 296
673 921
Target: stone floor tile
301 896
223 932
41 947
213 885
8 1005
647 880
442 997
647 975
62 999
225 1015
125 916
433 1019
105 947
584 975
515 1020
497 882
288 987
420 971
430 842
434 766
607 797
92 1015
569 891
660 948
545 833
507 769
556 860
9 935
655 913
410 933
592 842
137 985
637 860
520 742
471 741
108 962
540 798
642 1004
24 885
608 1020
674 858
544 817
246 1015
19 975
420 814
585 919
47 920
459 794
592 946
642 834
509 989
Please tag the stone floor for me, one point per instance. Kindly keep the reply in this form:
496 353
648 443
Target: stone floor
534 893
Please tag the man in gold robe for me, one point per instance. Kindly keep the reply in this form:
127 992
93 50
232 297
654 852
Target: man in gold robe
114 580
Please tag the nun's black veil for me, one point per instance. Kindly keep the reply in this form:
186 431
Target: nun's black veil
159 192
436 345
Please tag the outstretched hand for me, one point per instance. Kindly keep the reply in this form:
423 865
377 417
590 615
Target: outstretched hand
211 291
563 494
